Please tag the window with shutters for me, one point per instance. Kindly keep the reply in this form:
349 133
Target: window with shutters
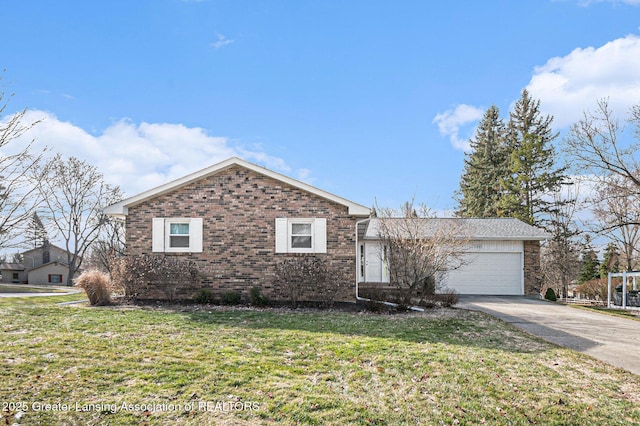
55 278
301 235
177 235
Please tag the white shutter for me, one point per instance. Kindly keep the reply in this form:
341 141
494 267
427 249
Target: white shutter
157 235
281 235
195 235
320 235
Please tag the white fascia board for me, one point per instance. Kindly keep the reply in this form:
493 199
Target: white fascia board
121 208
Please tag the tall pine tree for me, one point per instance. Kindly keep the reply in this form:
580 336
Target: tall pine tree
532 172
590 269
484 168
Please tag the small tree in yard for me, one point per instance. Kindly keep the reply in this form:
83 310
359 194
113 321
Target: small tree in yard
419 249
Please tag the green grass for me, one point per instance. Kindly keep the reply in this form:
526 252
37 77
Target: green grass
8 288
199 367
31 301
629 314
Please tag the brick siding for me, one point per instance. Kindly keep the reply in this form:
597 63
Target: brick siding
532 270
239 208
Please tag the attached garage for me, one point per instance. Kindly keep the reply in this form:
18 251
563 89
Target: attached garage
493 268
503 257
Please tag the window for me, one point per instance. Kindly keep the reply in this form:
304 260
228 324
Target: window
16 276
177 235
303 235
55 278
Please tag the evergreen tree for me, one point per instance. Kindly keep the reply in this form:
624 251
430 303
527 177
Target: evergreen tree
532 172
590 265
39 232
484 168
610 260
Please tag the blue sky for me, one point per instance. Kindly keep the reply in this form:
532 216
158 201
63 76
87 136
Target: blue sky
366 99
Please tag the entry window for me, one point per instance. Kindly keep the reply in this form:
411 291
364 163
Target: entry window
55 278
178 235
301 235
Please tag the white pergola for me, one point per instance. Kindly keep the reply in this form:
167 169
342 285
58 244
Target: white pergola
625 280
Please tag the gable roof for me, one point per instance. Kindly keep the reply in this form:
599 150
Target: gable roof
49 264
121 209
474 228
40 248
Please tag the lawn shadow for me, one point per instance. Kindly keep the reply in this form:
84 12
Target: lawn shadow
438 326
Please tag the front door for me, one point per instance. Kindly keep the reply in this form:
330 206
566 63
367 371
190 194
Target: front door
375 270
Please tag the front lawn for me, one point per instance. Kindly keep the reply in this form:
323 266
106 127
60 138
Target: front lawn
23 288
633 314
119 365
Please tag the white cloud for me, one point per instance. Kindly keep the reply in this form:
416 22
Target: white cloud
141 156
571 84
453 121
589 2
221 42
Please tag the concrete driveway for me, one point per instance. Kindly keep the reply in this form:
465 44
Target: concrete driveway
610 339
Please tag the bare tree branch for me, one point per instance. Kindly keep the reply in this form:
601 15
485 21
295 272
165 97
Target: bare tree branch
75 194
419 249
18 190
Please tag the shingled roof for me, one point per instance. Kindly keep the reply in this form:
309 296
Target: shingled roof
474 229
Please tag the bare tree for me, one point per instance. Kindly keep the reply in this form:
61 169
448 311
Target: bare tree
109 245
18 190
419 249
595 145
617 208
75 194
560 255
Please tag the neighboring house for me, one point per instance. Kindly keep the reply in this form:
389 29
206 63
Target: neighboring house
503 257
43 265
12 272
236 220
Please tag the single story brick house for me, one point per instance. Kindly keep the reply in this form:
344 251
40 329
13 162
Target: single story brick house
237 220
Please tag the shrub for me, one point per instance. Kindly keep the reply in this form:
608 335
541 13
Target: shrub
204 296
135 275
231 298
310 275
447 298
97 286
594 289
256 298
550 295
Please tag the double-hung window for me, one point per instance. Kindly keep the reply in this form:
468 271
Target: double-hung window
301 235
177 235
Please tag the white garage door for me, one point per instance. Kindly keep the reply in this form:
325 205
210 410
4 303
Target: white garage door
488 273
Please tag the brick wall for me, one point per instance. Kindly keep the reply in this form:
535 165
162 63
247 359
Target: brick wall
239 208
532 271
